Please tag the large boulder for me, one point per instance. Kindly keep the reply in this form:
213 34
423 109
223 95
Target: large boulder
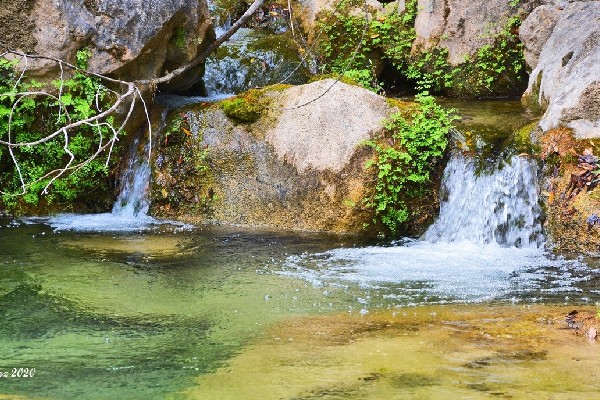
130 39
565 77
299 166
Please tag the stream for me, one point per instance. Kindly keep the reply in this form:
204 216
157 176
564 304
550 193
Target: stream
207 313
123 306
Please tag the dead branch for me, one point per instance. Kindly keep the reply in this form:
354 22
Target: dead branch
128 94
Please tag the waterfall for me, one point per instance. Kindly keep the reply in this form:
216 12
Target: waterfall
486 243
130 210
133 200
499 207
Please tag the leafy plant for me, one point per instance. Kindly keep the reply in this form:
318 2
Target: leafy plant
405 158
30 118
358 46
349 45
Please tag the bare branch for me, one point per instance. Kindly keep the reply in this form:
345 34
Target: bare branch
127 94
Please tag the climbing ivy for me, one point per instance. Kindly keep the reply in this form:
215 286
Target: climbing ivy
405 157
30 118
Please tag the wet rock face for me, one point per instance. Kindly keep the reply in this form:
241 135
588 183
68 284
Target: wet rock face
563 50
295 168
132 39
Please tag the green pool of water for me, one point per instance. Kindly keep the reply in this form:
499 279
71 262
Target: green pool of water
215 313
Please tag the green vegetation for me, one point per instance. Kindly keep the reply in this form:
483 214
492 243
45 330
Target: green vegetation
405 158
497 68
183 169
179 38
33 117
388 36
247 107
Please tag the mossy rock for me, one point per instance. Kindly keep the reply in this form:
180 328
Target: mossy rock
247 107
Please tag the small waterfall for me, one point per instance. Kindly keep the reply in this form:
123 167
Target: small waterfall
133 199
130 210
253 59
501 207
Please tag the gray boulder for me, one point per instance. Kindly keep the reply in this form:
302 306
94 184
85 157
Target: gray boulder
565 77
130 39
300 166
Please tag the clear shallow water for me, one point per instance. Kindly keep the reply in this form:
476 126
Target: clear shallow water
144 315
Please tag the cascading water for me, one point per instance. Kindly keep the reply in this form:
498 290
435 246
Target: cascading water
500 207
130 210
486 243
133 198
251 59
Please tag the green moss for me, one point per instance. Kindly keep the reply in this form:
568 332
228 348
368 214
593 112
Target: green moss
179 38
522 138
246 108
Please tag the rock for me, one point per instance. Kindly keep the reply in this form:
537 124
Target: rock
327 129
311 8
536 30
565 77
592 333
462 26
300 166
131 39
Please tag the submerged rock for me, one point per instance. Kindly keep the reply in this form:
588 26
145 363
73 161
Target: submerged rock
563 49
299 166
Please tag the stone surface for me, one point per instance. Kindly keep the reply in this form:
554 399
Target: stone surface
132 39
536 30
322 123
295 168
565 82
462 26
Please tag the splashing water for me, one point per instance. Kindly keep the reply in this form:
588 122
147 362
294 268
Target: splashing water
133 199
130 211
487 242
501 207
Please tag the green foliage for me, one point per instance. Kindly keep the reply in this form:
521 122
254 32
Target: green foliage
430 70
496 68
388 36
247 107
501 62
405 159
35 117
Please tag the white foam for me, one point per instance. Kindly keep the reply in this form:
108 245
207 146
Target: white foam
458 271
